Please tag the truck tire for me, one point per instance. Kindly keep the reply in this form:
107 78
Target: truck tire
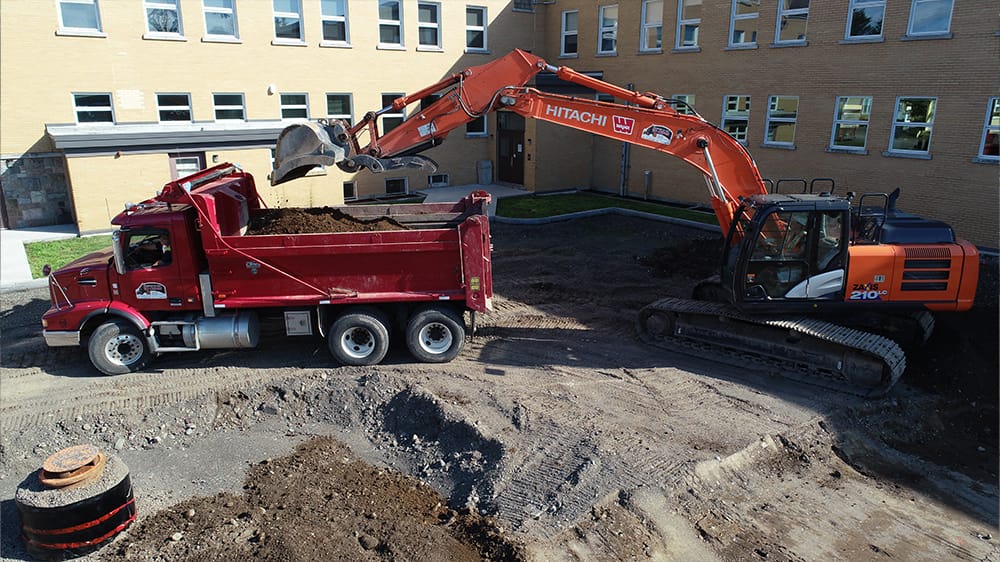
359 337
435 334
117 347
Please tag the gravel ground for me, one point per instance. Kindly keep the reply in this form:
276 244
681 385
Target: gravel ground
555 435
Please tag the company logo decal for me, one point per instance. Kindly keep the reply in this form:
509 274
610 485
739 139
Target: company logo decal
576 115
658 134
151 290
623 125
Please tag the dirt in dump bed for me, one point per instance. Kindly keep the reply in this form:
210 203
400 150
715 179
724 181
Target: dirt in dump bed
319 503
317 220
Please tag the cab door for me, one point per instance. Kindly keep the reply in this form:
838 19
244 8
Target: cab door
154 275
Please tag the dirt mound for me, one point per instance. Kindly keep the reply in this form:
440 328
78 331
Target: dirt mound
320 503
317 220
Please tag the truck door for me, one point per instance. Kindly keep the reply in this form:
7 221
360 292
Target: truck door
153 277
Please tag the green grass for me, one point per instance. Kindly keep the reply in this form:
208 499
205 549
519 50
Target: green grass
535 206
58 253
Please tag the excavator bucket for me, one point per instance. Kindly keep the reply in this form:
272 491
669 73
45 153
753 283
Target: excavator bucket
303 146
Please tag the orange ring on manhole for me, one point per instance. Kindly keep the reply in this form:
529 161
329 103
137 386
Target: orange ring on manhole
72 465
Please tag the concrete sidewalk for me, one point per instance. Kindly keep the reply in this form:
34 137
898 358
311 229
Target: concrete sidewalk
14 271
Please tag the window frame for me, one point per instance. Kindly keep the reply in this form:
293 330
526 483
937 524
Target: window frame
215 37
478 134
689 100
483 28
110 108
725 121
602 29
160 108
354 190
733 18
401 114
838 120
349 117
896 123
216 107
683 23
97 31
788 12
991 106
293 106
772 106
398 24
345 19
564 33
437 26
928 34
406 185
856 5
645 26
148 5
275 14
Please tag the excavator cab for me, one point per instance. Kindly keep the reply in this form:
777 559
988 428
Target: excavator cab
787 252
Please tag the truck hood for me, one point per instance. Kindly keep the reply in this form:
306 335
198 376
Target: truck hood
83 279
94 260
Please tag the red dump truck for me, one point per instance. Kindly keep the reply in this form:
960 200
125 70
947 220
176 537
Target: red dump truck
185 274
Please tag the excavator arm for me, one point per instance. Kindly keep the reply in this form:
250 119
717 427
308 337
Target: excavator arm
649 120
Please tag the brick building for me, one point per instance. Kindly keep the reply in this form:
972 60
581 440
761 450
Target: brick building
876 94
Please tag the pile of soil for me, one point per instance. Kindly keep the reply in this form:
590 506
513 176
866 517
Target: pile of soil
315 220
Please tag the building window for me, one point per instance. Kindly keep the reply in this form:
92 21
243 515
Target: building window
294 106
438 180
183 164
79 16
340 106
476 127
475 28
782 112
686 107
429 25
911 130
792 18
850 123
390 23
568 43
990 147
396 186
865 19
652 25
220 18
391 119
743 23
350 191
930 17
688 21
608 22
524 5
163 17
93 108
173 107
736 116
287 21
334 19
229 107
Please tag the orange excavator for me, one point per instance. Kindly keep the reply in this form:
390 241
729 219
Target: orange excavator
805 278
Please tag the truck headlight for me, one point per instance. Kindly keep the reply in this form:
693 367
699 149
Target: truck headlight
45 323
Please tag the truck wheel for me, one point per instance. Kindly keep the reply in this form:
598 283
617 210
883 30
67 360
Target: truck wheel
359 337
435 334
116 347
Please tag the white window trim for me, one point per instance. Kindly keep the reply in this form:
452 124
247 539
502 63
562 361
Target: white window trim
160 108
422 25
932 34
406 185
858 5
725 105
645 26
486 128
986 129
839 121
564 33
80 31
771 101
287 40
601 29
282 106
679 35
350 101
163 35
445 183
397 23
733 18
401 113
777 25
242 106
354 188
928 125
214 37
77 109
689 100
347 27
486 45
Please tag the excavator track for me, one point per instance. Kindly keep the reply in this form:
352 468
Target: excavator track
803 349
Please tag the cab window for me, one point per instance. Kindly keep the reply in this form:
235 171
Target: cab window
147 250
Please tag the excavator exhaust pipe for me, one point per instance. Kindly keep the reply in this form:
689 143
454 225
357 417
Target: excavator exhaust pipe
303 146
